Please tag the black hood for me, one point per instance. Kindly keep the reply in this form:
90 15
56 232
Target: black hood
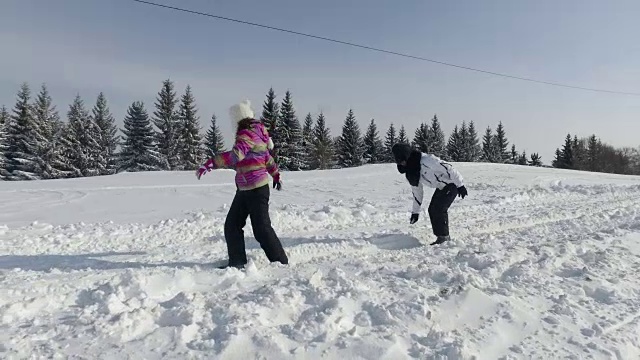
401 152
411 157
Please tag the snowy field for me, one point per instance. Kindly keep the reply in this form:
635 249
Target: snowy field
545 265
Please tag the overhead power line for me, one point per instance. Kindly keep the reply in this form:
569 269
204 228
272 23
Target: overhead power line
383 50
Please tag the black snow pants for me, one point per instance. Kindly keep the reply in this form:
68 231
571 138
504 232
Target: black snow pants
254 204
439 209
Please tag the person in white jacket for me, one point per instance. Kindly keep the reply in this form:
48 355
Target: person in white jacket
425 169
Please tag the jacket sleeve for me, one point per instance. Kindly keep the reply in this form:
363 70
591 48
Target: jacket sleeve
272 167
229 159
418 196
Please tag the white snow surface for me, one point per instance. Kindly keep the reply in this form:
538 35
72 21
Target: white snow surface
544 264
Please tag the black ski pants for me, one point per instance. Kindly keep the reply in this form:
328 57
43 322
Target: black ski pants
254 204
439 209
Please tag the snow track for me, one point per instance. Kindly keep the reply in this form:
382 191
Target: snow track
544 265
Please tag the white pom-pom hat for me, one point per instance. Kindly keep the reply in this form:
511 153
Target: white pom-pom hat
241 111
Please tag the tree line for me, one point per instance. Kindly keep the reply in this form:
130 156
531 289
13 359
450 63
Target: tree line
591 154
35 143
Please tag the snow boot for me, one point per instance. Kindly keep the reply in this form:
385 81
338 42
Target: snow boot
440 240
237 266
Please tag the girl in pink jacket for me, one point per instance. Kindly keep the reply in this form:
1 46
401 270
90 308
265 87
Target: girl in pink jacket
253 163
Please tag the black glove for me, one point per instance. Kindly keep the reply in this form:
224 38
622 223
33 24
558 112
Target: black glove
414 218
462 191
277 185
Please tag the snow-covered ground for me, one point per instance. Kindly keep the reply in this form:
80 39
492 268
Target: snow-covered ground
545 264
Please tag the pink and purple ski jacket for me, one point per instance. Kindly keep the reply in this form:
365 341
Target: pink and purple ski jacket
250 158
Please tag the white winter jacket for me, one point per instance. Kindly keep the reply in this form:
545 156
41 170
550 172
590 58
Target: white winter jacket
434 173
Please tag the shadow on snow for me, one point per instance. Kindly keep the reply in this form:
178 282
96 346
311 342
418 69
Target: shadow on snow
96 261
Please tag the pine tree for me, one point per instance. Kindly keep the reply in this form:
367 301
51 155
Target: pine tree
523 159
567 153
373 148
389 141
270 112
580 154
167 120
214 142
49 148
270 119
190 141
454 148
139 151
108 139
438 143
402 136
557 161
323 151
593 153
501 144
514 154
307 142
488 148
22 163
350 149
473 143
464 145
289 128
421 138
82 142
536 160
4 141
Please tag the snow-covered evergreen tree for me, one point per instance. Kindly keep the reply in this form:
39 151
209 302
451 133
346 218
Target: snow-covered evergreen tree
22 163
421 138
373 148
269 117
389 141
190 140
288 126
514 155
536 160
438 144
522 160
455 151
307 128
402 136
139 151
108 139
564 158
488 148
593 151
581 155
4 141
49 148
307 142
270 112
473 143
323 150
502 144
350 147
464 145
167 120
214 142
82 142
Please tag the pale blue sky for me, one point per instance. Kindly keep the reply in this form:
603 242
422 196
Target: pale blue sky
126 49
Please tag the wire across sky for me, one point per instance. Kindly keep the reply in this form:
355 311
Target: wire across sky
371 48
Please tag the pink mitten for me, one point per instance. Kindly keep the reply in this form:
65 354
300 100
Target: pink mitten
204 168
